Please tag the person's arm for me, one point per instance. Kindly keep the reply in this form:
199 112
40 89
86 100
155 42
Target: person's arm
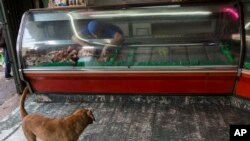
118 39
78 41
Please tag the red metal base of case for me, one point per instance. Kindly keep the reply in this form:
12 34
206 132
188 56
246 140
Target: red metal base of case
243 86
128 83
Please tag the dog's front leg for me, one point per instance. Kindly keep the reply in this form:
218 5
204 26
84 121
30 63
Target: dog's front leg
29 135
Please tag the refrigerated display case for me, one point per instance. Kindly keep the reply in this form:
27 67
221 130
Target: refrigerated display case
168 49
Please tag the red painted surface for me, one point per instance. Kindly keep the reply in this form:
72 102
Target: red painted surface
243 86
124 83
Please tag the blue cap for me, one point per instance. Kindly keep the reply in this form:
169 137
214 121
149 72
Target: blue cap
93 26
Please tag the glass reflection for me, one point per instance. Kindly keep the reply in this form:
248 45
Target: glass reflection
247 29
155 36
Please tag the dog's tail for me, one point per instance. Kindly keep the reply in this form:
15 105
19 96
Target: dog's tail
22 101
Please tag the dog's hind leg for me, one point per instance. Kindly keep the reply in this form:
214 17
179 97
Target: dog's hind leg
30 136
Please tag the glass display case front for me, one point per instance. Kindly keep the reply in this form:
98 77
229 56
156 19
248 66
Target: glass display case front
170 49
247 29
160 37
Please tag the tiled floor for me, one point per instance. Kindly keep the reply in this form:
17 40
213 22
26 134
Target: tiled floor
131 121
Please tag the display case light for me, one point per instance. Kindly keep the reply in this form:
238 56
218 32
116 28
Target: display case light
52 42
232 12
165 6
247 26
153 14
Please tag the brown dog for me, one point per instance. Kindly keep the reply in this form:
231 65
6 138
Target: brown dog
54 129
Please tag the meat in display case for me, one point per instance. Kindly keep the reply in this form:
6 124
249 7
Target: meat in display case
170 49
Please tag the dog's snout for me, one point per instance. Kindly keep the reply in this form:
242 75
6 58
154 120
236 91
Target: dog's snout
90 114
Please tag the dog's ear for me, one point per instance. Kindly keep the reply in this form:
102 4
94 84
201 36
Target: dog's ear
90 114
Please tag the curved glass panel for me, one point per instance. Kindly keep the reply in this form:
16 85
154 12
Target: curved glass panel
161 36
247 28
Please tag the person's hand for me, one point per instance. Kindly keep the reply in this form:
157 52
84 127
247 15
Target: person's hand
86 52
102 59
105 50
104 54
